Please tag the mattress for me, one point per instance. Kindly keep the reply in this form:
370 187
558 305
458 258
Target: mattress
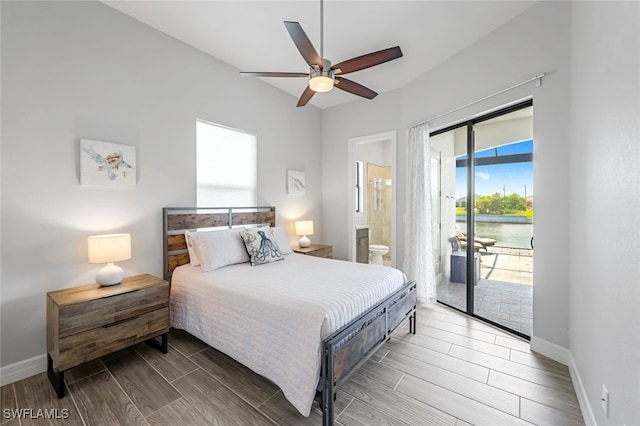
273 317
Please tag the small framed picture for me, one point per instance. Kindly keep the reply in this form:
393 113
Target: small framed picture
295 182
107 164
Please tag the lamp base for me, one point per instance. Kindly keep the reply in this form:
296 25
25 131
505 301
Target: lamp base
110 275
304 242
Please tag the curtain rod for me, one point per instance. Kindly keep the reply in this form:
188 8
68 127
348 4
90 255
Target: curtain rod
522 83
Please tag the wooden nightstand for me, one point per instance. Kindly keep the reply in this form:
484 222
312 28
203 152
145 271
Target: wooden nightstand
90 321
317 250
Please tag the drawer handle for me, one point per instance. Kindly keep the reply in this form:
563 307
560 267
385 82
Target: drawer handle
113 324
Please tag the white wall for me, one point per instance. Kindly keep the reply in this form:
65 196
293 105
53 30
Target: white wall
605 201
534 42
74 70
378 153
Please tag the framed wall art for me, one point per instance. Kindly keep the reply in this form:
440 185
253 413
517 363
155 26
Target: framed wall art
107 164
295 182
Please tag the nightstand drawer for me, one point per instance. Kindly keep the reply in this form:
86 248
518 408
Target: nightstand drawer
322 252
316 250
80 317
91 344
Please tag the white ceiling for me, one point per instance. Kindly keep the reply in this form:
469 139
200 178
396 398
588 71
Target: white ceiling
250 35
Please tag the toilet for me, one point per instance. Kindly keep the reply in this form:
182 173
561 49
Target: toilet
376 251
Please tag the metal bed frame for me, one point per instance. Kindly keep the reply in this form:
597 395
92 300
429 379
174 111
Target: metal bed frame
344 351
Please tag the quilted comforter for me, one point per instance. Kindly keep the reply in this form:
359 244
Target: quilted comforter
273 317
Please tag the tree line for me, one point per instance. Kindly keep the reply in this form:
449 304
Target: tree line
497 204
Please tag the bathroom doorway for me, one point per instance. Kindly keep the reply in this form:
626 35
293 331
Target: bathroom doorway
372 200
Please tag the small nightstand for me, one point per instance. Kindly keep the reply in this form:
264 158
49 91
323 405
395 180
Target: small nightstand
317 250
87 322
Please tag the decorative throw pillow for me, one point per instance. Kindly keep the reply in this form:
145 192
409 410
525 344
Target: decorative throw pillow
193 257
217 249
281 240
261 246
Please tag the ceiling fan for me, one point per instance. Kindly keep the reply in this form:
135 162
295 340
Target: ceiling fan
322 75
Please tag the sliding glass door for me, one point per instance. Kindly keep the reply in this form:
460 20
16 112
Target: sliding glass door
487 182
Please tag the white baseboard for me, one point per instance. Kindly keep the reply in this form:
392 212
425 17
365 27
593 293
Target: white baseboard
551 350
581 393
23 369
564 356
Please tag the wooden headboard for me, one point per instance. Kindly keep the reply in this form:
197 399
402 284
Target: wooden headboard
176 220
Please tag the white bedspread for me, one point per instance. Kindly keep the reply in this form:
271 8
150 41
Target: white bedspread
273 318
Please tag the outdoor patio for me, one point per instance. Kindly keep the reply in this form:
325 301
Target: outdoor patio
504 293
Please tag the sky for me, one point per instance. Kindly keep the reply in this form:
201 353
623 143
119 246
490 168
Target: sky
502 178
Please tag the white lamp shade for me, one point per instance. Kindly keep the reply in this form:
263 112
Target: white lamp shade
304 227
109 248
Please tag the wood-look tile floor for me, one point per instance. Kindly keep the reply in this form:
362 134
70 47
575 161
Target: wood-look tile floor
454 371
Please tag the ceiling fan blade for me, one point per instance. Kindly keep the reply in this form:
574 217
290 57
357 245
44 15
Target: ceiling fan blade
306 96
303 43
355 88
368 60
274 74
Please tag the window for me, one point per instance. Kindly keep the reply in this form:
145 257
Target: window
358 194
226 166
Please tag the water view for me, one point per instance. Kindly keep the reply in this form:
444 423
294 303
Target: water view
514 235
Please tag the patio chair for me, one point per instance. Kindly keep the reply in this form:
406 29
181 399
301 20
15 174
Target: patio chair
459 262
479 243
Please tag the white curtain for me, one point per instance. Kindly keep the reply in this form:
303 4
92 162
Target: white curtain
418 253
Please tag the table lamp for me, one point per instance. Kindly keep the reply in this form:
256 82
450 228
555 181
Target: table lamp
304 228
108 249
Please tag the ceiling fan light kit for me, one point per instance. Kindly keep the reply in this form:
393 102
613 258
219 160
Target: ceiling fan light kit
321 79
321 83
322 76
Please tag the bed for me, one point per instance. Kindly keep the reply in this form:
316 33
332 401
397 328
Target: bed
305 323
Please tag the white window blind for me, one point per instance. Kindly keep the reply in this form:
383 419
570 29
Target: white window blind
226 166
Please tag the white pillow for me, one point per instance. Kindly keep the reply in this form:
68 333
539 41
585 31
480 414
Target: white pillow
217 249
193 257
281 240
